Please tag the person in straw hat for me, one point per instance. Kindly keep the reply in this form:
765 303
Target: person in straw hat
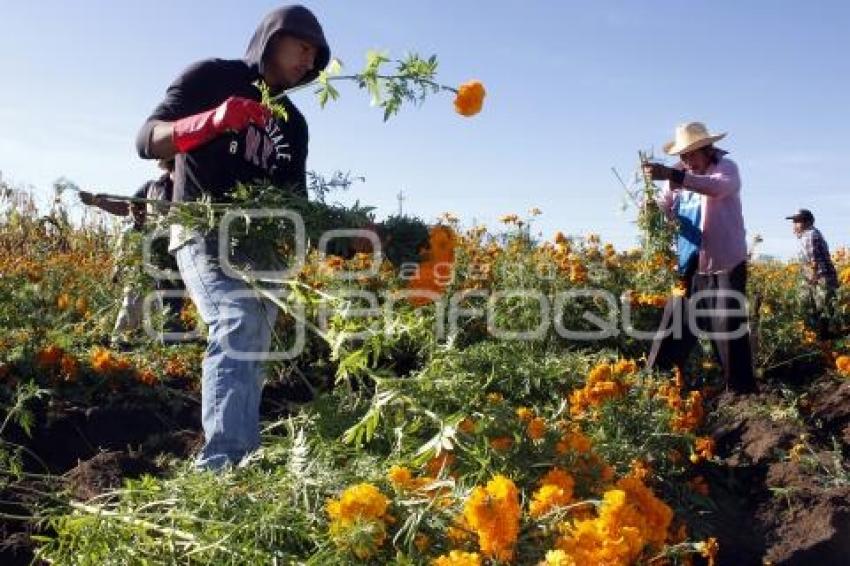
704 194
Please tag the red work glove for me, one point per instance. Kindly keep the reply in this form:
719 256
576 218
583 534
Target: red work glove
235 114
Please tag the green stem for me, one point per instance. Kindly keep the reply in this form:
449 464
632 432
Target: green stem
359 77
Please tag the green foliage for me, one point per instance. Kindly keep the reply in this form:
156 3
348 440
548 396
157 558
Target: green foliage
266 99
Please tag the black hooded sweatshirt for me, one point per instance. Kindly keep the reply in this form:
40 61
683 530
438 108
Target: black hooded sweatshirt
276 152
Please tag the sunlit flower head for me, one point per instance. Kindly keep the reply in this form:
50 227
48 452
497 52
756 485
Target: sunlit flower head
470 98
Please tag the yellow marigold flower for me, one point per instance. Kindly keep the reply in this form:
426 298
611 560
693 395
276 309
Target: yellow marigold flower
469 98
363 500
495 398
625 367
600 372
493 512
509 219
458 558
614 537
536 428
358 519
501 443
796 451
400 477
709 549
844 276
657 514
556 490
558 558
524 414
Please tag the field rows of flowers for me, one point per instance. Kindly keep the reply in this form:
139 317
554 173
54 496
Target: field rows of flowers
421 445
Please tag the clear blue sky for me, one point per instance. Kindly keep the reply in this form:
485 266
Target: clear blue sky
574 88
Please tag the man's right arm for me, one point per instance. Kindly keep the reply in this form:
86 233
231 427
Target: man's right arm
189 117
155 139
160 141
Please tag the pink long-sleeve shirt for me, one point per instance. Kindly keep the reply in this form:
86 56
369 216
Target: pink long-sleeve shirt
724 241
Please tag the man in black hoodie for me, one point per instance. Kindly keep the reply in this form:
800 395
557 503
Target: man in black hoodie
211 120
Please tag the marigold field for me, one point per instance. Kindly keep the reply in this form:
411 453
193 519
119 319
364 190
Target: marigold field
409 438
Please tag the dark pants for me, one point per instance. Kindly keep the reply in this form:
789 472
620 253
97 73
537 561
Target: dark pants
819 307
733 354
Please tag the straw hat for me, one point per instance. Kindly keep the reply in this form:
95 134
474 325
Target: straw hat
689 137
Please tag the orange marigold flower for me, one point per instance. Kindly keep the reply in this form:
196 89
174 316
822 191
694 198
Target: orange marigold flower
49 357
556 490
63 301
358 504
657 514
536 428
434 272
625 367
639 469
842 363
439 463
493 512
574 441
400 477
466 426
103 361
501 443
147 377
469 98
703 449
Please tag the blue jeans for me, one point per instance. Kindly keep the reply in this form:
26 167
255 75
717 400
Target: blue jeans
239 322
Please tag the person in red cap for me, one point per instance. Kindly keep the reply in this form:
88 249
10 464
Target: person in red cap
211 119
820 279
